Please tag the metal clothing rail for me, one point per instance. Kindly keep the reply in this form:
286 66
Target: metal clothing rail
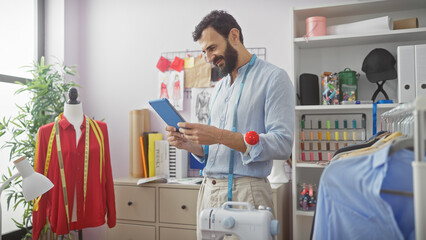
417 109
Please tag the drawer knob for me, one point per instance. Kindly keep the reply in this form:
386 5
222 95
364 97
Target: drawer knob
130 203
183 207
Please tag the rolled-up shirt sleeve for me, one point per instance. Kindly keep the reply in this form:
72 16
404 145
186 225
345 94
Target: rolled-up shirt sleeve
277 140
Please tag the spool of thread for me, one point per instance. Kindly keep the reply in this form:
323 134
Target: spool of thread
354 132
345 133
363 130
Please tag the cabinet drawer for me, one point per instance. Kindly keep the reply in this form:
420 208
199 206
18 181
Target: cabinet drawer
178 205
131 232
135 203
177 234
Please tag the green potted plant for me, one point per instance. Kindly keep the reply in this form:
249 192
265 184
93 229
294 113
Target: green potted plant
47 88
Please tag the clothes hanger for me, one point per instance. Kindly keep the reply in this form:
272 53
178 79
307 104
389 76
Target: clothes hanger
401 143
403 124
394 192
380 142
360 146
373 143
392 137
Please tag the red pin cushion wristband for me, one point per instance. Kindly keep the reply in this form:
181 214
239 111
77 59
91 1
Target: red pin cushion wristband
251 138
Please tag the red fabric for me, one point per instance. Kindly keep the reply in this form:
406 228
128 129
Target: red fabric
177 64
99 196
163 64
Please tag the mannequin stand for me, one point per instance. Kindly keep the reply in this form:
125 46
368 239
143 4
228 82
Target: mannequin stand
278 172
378 90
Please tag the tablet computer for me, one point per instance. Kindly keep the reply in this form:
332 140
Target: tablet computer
167 112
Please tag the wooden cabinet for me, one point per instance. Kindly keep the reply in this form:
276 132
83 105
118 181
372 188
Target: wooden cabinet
128 231
160 211
136 204
178 206
167 233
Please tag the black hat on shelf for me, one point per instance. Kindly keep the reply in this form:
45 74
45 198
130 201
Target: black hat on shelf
379 65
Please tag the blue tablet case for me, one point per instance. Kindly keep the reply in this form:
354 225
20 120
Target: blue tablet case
167 112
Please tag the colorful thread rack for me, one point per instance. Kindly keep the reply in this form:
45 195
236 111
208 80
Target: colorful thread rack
322 135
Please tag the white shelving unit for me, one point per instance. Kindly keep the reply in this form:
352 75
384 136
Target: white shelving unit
334 53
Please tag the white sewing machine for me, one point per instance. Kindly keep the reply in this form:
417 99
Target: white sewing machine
246 224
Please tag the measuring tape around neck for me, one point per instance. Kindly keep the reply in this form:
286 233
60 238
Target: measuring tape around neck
234 126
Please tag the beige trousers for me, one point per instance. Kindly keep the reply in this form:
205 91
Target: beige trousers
214 192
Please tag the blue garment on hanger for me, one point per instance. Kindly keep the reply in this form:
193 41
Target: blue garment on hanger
350 205
399 177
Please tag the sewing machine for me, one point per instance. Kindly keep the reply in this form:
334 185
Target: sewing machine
246 223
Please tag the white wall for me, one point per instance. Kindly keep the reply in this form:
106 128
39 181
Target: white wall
54 30
116 46
120 43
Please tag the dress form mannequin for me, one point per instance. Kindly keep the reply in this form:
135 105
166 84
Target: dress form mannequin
73 112
278 174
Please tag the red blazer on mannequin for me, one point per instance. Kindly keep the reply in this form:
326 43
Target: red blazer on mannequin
100 199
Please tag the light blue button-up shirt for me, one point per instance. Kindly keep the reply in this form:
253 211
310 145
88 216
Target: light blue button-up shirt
267 107
350 204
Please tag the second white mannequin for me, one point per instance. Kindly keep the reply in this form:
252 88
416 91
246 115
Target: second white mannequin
74 114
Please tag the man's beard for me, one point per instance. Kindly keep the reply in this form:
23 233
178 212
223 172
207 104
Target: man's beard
230 57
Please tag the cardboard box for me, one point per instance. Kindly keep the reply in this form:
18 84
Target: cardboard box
406 23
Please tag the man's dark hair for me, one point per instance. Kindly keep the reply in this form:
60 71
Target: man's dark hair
220 21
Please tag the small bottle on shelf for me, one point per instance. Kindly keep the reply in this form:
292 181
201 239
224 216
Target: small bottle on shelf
354 131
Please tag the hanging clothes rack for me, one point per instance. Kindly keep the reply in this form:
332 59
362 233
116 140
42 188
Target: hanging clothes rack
410 119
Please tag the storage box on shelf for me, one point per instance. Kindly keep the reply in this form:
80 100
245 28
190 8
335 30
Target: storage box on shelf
334 53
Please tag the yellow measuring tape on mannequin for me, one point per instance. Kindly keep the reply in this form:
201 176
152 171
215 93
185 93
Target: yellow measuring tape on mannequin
61 167
55 132
100 138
